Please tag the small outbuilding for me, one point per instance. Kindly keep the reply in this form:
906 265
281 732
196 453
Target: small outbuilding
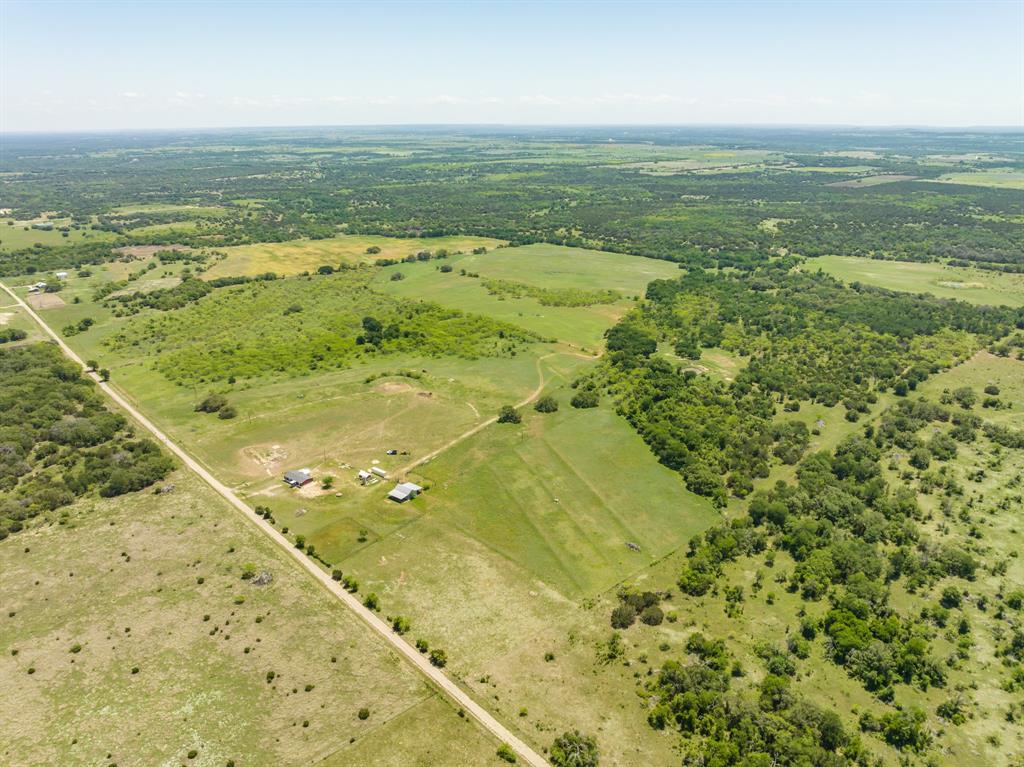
364 476
404 491
61 275
298 478
379 472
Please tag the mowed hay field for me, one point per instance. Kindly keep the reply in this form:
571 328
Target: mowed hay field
129 637
976 286
562 495
297 256
540 266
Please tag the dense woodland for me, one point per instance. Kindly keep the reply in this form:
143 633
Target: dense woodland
573 188
59 442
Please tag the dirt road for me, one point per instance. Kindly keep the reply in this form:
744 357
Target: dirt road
493 419
435 675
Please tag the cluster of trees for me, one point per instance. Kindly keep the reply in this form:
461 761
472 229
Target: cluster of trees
9 335
58 442
550 296
851 536
215 402
188 291
806 337
725 726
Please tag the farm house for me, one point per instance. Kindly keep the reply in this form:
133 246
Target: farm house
404 491
298 478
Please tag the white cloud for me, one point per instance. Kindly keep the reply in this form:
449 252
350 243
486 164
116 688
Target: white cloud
539 99
446 99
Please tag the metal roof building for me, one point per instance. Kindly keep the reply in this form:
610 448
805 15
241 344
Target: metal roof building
404 491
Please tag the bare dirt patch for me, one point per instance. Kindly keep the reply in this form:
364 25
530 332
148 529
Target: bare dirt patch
5 317
269 457
45 301
392 387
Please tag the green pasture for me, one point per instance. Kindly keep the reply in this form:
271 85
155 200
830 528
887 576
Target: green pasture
297 256
191 211
13 316
15 235
999 178
543 266
978 372
563 502
976 286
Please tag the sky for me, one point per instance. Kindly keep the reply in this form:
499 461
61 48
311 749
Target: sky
67 66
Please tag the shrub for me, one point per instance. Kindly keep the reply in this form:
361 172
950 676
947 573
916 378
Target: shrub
227 412
212 404
585 399
421 645
506 754
400 624
574 749
652 616
438 658
509 414
546 404
623 616
364 713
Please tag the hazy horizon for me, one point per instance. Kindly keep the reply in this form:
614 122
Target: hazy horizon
86 67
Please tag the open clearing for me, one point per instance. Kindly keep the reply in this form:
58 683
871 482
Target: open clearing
1003 178
45 301
541 266
886 178
167 568
15 235
976 286
299 256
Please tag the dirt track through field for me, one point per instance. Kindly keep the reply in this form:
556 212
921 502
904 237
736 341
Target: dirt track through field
493 419
409 653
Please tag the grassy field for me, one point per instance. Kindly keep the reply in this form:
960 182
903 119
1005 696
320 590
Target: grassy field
886 178
13 316
976 286
543 266
980 371
299 256
1005 178
15 235
177 659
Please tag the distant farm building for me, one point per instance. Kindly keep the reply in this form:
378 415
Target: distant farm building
404 491
39 286
365 477
45 226
379 472
61 275
298 478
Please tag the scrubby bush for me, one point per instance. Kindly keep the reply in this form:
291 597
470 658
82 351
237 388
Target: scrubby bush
546 404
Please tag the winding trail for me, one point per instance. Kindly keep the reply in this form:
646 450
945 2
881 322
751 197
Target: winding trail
405 650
